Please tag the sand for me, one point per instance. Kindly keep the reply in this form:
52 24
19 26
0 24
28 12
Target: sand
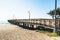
13 32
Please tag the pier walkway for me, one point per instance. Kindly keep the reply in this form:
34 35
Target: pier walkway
44 24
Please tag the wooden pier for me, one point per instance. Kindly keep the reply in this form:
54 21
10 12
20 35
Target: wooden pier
45 24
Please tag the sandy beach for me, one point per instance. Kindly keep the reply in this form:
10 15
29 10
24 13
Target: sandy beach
13 32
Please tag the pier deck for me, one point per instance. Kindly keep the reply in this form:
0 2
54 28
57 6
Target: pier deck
44 24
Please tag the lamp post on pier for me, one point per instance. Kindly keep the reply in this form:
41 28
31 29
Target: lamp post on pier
29 15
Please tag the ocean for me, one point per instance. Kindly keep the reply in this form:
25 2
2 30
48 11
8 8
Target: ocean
4 22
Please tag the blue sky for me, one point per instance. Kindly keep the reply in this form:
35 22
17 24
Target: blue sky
18 9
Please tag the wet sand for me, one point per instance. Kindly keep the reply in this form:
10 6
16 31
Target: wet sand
13 32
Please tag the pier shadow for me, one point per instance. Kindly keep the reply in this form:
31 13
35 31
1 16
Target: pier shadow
44 29
26 27
38 28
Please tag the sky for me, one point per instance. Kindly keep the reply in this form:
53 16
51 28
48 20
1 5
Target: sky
18 9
